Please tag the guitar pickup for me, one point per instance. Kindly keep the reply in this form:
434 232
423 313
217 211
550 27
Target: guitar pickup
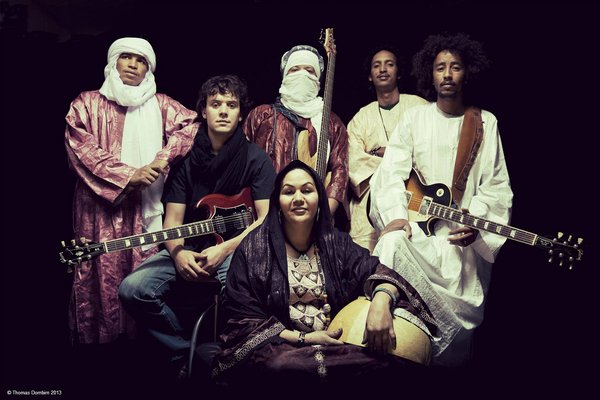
424 206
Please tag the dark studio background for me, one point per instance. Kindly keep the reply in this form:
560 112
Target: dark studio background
542 87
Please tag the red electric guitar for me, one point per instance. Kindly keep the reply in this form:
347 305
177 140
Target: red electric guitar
228 216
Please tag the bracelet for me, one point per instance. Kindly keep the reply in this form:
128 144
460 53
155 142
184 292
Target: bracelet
389 293
301 337
374 151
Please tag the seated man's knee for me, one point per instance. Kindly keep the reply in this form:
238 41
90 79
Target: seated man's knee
131 289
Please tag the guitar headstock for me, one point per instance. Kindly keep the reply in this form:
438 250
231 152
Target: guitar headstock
565 249
77 252
327 40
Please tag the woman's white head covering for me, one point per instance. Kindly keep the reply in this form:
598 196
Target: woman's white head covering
142 135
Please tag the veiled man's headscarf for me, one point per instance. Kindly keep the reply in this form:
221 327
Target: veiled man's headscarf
299 89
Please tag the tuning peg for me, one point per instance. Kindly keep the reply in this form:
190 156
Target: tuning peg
63 244
560 235
561 257
73 242
569 239
579 241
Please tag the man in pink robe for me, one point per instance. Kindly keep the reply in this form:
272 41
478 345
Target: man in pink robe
120 141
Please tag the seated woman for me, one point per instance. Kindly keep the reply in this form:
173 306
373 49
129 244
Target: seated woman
290 276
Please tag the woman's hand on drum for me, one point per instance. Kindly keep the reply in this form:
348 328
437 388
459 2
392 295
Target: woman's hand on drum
379 330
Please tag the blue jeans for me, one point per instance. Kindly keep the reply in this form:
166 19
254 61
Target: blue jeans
154 293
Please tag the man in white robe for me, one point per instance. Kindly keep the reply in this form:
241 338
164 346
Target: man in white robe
451 269
369 132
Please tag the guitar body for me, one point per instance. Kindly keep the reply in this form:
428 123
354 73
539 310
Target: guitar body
306 158
419 196
220 208
411 342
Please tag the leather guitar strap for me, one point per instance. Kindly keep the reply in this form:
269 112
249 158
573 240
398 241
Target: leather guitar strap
471 135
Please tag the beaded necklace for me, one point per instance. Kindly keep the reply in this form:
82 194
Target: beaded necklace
301 254
326 305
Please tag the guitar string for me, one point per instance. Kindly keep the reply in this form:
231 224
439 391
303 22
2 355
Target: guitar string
470 220
226 220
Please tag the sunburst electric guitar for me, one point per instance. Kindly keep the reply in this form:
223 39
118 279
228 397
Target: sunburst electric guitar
227 217
429 203
318 161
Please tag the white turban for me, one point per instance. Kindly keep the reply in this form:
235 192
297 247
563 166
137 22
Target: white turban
131 45
113 87
302 55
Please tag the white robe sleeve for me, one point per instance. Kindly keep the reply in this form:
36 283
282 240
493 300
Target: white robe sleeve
388 193
492 195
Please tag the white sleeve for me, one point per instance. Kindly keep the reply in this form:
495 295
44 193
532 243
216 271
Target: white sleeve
493 197
388 193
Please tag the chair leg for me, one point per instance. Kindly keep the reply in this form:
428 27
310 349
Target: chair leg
216 318
195 333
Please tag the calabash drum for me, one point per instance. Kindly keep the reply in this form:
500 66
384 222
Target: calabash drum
411 342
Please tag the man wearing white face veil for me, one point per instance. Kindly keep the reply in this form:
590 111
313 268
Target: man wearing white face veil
120 141
276 127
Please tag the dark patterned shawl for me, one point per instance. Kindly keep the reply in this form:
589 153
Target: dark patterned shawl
256 299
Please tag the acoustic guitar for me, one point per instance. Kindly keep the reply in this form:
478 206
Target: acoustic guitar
227 217
411 342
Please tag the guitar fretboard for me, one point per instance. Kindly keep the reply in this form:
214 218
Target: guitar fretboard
451 214
216 224
428 203
321 165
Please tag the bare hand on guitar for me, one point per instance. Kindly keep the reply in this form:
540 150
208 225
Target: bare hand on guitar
464 235
186 263
211 257
398 225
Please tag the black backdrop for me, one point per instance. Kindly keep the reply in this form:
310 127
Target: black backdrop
542 86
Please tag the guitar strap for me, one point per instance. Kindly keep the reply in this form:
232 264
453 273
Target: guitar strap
471 135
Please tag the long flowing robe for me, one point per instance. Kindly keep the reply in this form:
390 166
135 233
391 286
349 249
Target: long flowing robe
370 128
452 279
101 210
256 305
258 127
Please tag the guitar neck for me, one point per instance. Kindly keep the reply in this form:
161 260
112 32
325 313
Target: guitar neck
454 215
321 166
180 232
